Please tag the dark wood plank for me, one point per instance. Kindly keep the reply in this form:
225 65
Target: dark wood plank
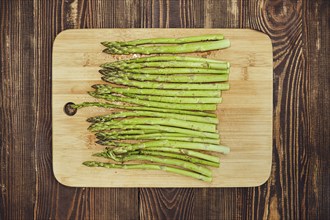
48 189
314 192
17 178
167 203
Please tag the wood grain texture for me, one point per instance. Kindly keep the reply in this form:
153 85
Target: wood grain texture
17 133
299 183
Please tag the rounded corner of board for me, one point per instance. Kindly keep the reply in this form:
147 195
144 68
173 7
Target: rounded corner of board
266 36
59 179
61 34
264 179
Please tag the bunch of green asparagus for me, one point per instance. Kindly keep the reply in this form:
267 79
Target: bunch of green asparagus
166 113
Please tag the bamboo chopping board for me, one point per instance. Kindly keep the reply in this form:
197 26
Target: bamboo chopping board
245 116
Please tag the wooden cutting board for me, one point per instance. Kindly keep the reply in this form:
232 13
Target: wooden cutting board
245 116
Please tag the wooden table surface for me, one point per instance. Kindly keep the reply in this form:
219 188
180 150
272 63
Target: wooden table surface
298 187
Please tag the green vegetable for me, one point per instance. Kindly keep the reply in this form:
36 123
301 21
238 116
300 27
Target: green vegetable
147 166
104 136
182 40
175 155
138 113
187 152
138 108
105 88
185 106
125 147
198 126
169 58
168 99
189 132
188 78
167 64
157 85
172 49
169 71
167 161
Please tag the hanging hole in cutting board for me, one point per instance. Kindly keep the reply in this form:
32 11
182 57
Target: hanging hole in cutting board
69 110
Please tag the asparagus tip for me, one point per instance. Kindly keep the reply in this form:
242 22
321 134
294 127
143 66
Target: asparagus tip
91 120
101 142
106 50
96 86
100 154
103 72
92 93
90 163
104 78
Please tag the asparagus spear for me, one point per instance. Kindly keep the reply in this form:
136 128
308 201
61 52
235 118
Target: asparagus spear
156 85
137 108
172 49
148 167
167 161
182 40
160 136
109 117
186 106
169 71
201 78
187 152
127 132
198 126
167 64
124 147
189 132
169 58
168 99
175 155
178 71
116 134
105 88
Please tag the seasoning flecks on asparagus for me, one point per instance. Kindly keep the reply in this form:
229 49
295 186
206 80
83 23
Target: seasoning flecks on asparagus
162 58
140 113
157 85
147 103
192 133
123 147
167 64
198 126
171 71
177 78
142 108
105 88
